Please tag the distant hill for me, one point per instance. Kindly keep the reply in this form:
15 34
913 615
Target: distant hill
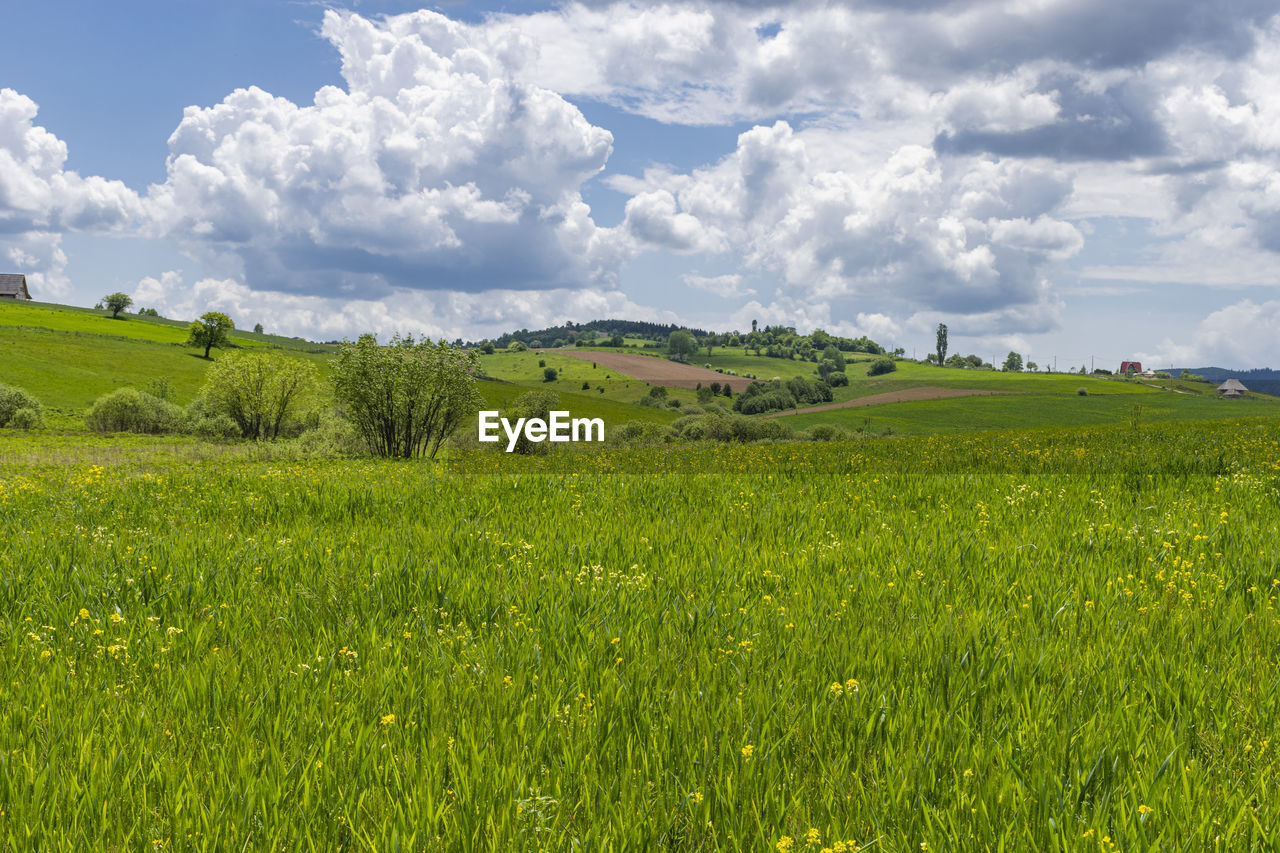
1262 379
571 331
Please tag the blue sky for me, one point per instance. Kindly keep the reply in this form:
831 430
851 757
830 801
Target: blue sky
1074 179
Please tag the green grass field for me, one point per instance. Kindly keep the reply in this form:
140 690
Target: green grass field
1034 640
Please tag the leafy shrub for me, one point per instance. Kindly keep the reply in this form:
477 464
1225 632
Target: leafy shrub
639 432
26 418
531 404
729 427
1083 392
12 399
825 432
201 419
263 393
549 374
837 379
881 366
131 410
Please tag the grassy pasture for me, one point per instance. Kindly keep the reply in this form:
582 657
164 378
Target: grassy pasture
1007 640
1031 411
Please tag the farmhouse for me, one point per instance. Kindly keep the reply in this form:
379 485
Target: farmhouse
1232 389
13 286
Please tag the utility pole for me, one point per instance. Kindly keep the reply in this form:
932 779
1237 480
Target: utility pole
1090 364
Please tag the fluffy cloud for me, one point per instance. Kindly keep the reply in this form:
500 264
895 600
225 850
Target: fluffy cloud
434 169
728 286
40 199
1241 335
912 233
437 314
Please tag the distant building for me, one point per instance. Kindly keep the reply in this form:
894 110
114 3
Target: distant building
1232 389
14 286
1126 366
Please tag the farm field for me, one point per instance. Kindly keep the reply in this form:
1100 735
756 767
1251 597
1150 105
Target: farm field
1058 639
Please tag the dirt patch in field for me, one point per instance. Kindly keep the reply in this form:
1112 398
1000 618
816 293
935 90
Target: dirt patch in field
907 395
658 371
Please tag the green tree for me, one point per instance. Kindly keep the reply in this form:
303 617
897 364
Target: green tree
830 353
1012 363
210 331
259 390
549 374
407 397
681 345
257 328
942 344
117 302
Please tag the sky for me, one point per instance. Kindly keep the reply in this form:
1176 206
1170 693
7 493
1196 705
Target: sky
1081 181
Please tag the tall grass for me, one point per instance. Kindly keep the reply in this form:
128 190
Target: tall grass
1057 640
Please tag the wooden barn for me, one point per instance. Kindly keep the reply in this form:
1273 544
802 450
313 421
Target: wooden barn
1232 389
13 286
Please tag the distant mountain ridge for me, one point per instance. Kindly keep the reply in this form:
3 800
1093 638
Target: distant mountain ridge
1262 379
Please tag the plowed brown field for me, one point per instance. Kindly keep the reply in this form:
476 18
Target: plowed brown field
658 371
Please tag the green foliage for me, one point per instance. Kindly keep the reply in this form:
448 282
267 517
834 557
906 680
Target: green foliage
532 404
404 399
1083 392
716 426
257 328
148 312
117 302
940 353
202 420
211 330
517 346
881 366
681 345
549 374
825 432
12 399
1012 363
262 393
131 410
838 380
26 417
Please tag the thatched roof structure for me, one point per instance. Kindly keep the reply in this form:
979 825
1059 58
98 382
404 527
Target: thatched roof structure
13 286
1232 388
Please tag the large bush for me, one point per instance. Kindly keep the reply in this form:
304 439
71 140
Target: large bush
729 427
263 393
200 419
881 366
12 399
406 398
26 418
131 410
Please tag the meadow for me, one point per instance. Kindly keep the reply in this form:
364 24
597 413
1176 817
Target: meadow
1057 639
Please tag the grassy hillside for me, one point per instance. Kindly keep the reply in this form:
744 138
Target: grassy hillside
66 318
68 357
